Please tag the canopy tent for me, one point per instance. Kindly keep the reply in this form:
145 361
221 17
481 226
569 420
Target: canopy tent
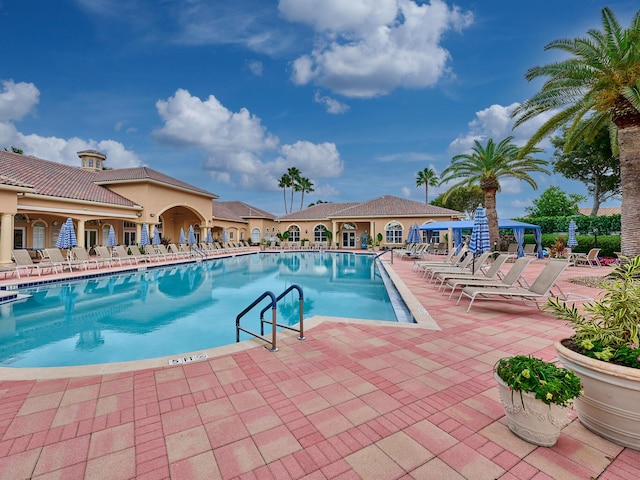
518 231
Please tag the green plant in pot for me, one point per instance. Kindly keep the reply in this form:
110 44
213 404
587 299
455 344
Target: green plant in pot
535 395
604 352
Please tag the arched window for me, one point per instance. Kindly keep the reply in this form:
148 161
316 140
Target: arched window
393 233
255 235
294 233
319 234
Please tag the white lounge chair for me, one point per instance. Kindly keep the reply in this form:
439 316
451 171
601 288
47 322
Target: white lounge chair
540 289
23 261
54 255
590 258
513 276
491 274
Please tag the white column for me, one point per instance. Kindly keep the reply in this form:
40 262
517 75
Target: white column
80 235
6 238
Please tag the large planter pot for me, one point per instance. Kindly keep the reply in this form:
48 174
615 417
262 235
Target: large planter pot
529 418
610 406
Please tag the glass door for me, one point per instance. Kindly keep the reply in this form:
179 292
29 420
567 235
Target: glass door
348 239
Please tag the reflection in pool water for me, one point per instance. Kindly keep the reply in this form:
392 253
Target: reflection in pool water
177 309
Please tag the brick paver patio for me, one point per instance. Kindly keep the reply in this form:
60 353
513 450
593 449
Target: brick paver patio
355 400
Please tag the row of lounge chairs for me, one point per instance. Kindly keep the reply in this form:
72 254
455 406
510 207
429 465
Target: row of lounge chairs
486 280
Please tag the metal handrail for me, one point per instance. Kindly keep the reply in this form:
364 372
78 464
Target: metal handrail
280 297
385 251
199 252
274 347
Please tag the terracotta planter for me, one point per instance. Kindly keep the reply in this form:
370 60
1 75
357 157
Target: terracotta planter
610 406
531 419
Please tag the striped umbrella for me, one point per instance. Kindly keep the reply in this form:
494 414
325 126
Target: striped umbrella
209 238
224 235
67 237
480 242
156 236
191 235
414 234
572 242
111 238
183 239
144 236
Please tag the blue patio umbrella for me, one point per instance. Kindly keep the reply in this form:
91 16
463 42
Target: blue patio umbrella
479 242
156 236
183 239
67 236
414 234
111 238
209 238
224 235
572 242
191 235
144 236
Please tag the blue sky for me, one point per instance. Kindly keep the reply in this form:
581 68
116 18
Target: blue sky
226 95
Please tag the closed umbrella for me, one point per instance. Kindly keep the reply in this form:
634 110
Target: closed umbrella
61 235
67 236
156 236
209 238
183 239
144 236
572 242
111 238
479 242
414 234
191 235
224 235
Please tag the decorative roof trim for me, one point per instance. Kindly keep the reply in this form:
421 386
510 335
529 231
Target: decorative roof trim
80 201
67 211
157 182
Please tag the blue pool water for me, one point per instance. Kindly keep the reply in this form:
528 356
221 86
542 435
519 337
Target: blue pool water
172 310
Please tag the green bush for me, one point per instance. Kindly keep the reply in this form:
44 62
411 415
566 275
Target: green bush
606 225
608 244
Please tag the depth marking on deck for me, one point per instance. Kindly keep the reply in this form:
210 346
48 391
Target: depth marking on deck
189 359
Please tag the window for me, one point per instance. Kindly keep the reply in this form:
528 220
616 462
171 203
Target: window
294 234
320 234
230 232
38 235
18 237
393 233
129 225
91 163
255 235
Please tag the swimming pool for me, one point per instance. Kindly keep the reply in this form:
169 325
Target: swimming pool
183 308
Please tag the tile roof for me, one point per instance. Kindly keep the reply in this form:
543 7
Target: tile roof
12 183
144 173
320 211
56 179
602 211
239 211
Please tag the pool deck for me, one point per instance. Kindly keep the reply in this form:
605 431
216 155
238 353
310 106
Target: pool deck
367 400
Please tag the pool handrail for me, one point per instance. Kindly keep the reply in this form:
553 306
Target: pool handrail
274 347
288 327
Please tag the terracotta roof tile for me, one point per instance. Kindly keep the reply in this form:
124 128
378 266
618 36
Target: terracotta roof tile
319 211
4 180
144 173
239 210
602 211
388 205
57 180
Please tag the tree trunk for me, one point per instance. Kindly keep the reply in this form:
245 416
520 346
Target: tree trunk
629 141
426 194
492 216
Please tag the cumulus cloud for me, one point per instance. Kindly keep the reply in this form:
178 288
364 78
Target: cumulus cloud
18 100
331 104
255 67
366 49
238 149
496 122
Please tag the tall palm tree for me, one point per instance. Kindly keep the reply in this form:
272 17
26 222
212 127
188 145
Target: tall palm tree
485 166
599 83
428 178
305 185
284 183
294 174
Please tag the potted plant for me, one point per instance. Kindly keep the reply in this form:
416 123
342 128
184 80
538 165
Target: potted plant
604 352
536 395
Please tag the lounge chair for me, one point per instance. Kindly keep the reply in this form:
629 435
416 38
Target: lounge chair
492 272
468 264
120 251
530 249
590 258
540 289
105 256
151 252
81 255
173 248
23 261
513 276
451 259
54 255
164 252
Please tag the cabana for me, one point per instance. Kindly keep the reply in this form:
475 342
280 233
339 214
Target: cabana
518 231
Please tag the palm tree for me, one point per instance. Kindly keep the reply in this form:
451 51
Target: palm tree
599 83
485 166
294 175
428 178
305 185
285 181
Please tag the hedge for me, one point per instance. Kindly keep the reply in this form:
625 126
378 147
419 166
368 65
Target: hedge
608 244
606 225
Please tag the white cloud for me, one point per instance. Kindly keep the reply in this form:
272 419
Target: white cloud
19 99
332 105
367 49
405 157
235 144
406 192
255 67
495 122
